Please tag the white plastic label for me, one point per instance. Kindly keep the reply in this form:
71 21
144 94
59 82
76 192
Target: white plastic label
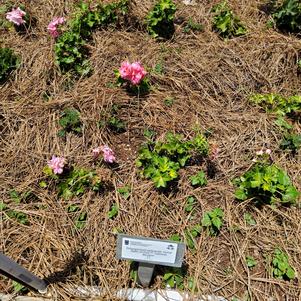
148 250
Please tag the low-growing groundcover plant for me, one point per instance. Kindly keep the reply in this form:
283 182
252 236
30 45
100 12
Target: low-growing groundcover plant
161 160
213 221
8 62
287 16
70 122
281 268
226 23
265 183
279 104
71 52
71 182
160 19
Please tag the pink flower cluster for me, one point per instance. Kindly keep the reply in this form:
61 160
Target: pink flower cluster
52 27
16 16
108 154
134 72
56 164
265 154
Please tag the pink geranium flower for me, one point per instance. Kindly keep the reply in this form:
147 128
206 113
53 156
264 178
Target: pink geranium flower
96 152
134 72
53 26
56 164
108 154
16 16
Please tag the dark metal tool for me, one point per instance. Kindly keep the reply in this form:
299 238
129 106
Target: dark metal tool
17 272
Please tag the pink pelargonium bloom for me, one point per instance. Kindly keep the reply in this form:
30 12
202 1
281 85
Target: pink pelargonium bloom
134 72
53 26
16 16
108 154
57 164
96 152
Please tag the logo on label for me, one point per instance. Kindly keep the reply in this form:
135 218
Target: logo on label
126 242
170 247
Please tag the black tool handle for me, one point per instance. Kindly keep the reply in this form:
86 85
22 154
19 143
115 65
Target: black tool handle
11 268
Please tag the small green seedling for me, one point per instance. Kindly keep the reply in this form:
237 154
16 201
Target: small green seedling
249 219
250 261
116 124
70 122
159 68
213 221
125 191
191 235
113 212
175 237
199 179
169 101
190 204
149 134
192 26
280 266
174 278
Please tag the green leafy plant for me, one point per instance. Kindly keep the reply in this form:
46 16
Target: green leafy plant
149 134
71 52
81 219
174 278
70 122
287 16
8 62
280 266
19 288
249 219
113 212
75 181
192 26
250 261
125 191
290 106
226 23
291 141
191 234
190 204
20 217
213 221
199 179
169 101
160 20
161 160
175 237
266 183
116 125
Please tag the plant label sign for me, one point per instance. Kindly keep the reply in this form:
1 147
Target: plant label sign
154 251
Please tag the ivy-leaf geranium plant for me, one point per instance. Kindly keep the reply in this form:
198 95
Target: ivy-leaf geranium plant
133 76
265 183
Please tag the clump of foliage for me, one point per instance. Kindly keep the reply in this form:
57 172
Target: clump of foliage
287 16
174 278
213 221
161 160
290 106
20 217
250 261
113 212
226 23
266 183
70 122
71 51
74 182
291 141
124 191
8 62
160 20
280 266
199 179
81 219
191 202
192 26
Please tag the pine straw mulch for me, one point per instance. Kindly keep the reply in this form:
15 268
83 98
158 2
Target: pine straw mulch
210 80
